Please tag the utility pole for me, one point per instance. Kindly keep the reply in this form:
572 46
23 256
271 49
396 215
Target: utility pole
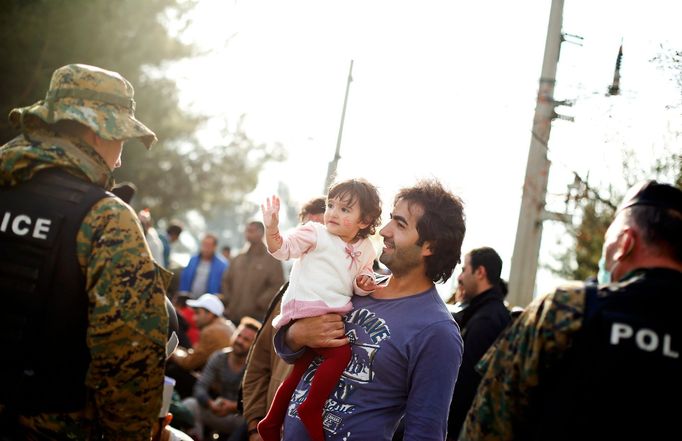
331 168
614 88
524 262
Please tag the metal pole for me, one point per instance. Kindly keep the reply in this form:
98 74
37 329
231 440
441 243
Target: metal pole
331 168
614 89
524 263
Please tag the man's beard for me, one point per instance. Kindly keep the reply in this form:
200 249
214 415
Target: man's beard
239 350
402 259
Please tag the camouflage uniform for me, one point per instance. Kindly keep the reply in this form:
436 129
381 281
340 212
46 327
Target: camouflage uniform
127 315
597 362
511 367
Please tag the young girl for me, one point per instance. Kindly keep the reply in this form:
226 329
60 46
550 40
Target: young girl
335 261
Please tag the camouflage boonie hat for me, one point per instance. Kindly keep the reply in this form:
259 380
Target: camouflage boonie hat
99 99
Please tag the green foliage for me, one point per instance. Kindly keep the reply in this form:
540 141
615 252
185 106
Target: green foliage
131 37
595 214
124 35
581 261
590 239
209 179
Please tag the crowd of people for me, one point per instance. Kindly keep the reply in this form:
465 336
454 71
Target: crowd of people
105 343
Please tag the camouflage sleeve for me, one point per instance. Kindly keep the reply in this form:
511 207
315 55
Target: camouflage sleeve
511 368
127 320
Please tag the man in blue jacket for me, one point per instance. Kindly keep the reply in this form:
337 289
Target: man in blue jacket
204 271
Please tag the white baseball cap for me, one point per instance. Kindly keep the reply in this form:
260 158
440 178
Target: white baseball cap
210 302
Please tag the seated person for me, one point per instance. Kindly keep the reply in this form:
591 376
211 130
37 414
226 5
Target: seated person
223 373
216 333
187 315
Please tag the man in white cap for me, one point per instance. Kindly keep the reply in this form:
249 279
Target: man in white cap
83 317
216 333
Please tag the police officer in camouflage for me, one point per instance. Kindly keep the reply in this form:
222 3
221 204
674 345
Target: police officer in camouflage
83 323
597 362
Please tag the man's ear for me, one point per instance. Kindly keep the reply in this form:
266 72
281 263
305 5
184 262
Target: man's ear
427 248
481 273
626 244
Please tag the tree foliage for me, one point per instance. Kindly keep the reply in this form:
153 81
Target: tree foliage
131 37
594 212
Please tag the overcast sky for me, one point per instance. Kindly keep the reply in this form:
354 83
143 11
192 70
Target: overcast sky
442 89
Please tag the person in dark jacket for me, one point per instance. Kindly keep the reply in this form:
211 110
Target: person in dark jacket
481 322
596 362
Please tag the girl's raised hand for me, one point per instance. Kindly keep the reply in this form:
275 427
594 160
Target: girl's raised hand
271 212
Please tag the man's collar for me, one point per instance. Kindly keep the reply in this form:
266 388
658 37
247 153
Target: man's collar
256 248
483 296
655 272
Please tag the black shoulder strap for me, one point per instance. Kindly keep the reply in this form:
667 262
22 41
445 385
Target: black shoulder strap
591 300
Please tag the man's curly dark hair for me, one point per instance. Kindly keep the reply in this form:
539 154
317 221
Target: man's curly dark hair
442 225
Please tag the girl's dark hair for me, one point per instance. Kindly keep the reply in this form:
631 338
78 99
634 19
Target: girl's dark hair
313 206
360 191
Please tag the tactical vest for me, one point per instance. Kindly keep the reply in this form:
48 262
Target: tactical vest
44 313
622 377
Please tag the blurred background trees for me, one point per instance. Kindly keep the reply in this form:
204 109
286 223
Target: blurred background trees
137 39
181 174
593 209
